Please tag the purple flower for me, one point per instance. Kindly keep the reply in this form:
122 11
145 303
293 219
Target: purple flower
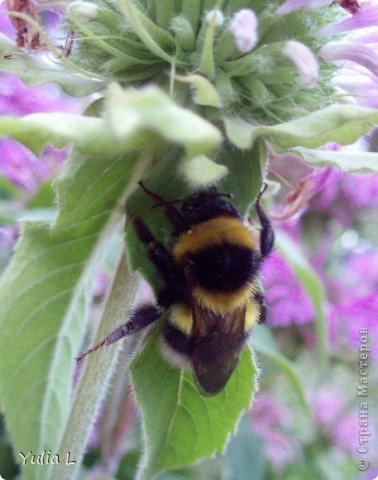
17 163
356 313
370 474
8 237
21 167
327 406
270 420
353 302
348 50
341 426
367 16
357 53
345 430
17 99
361 83
343 195
5 24
287 300
340 422
291 5
360 190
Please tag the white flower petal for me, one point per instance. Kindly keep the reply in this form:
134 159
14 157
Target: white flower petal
304 60
244 29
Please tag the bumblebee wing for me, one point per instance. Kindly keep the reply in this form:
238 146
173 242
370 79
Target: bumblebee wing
217 343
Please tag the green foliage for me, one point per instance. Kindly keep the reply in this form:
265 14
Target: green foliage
140 133
245 454
133 111
46 288
44 296
134 119
180 426
352 162
45 318
94 380
35 71
338 123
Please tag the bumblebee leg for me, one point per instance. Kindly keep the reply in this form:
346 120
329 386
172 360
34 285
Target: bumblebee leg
261 299
158 254
143 233
172 214
174 288
266 233
139 319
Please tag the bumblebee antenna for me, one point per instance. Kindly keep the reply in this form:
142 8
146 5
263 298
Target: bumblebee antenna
153 195
93 349
171 202
169 210
261 192
158 198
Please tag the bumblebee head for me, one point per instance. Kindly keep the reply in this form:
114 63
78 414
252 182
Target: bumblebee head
203 205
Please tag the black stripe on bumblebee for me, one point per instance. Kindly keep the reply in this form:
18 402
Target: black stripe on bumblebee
211 286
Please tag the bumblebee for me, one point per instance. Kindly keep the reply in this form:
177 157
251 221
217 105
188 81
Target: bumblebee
210 277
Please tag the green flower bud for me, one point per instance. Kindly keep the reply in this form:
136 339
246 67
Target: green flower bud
83 10
183 33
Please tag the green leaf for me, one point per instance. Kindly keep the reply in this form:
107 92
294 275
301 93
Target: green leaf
206 63
180 425
314 288
351 162
205 92
343 124
94 381
245 179
152 107
164 13
263 341
44 295
201 172
35 71
45 291
151 35
90 135
192 11
43 197
135 119
36 214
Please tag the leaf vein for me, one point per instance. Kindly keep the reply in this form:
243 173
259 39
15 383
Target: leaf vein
40 282
40 307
